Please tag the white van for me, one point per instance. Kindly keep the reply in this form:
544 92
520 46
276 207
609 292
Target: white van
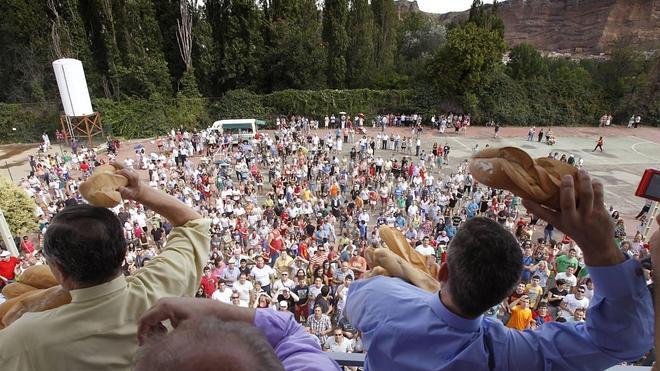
240 130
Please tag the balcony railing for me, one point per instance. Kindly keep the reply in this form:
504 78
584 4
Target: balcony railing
357 360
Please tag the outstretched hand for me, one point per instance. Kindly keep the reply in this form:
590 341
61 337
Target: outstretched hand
178 310
586 222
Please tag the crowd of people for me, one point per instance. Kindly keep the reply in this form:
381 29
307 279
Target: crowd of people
292 212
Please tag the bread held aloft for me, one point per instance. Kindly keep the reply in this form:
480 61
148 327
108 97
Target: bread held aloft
100 189
513 169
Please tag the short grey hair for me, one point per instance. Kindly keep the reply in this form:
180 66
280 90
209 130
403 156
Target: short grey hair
209 344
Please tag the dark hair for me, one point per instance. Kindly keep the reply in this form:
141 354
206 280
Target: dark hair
325 290
87 242
560 282
485 263
209 343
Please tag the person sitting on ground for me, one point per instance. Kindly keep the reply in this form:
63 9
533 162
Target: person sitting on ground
209 335
483 264
85 248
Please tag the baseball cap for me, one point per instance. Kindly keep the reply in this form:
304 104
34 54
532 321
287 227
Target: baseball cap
4 254
284 304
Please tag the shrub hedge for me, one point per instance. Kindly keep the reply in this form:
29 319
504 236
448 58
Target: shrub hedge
512 102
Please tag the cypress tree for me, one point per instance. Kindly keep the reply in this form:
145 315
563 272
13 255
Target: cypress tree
360 54
335 37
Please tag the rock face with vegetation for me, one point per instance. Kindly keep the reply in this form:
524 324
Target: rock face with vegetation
588 26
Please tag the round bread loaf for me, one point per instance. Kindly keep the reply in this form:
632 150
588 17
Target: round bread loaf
100 189
38 276
16 289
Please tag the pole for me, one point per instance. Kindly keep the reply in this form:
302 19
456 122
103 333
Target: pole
9 171
7 238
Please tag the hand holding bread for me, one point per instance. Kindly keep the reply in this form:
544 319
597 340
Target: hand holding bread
101 189
513 169
400 260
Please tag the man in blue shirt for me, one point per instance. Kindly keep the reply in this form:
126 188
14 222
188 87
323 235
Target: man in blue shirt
406 328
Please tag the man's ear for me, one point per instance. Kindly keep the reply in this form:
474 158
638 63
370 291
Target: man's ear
443 273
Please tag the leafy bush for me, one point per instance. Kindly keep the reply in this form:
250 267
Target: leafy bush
18 208
29 120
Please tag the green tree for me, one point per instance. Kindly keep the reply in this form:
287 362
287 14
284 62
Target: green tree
468 60
18 208
385 23
526 62
239 47
335 21
295 49
167 16
203 51
486 18
25 71
419 37
143 71
360 54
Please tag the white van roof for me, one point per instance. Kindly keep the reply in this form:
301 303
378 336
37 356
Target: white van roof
224 123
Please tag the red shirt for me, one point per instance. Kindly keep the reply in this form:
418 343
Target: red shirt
27 246
7 267
208 283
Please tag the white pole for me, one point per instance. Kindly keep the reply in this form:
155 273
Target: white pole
7 238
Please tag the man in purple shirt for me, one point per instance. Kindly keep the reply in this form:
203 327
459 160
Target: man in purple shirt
210 335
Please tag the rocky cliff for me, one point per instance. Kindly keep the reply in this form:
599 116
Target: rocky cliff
591 26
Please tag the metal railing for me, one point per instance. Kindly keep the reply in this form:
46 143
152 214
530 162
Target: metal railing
357 360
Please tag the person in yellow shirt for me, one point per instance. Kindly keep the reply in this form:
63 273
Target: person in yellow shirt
534 291
85 248
521 315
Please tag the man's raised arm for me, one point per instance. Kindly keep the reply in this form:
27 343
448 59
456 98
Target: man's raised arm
619 323
177 270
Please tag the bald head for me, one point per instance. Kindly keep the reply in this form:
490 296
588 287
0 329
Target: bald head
209 344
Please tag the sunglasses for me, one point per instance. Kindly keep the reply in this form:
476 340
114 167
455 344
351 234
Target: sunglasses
234 297
580 291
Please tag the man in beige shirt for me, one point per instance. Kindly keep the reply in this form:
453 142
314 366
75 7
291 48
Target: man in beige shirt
85 248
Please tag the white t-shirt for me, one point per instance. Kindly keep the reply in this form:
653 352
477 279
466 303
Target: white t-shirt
243 291
572 280
262 275
281 284
343 290
573 303
224 296
426 251
344 347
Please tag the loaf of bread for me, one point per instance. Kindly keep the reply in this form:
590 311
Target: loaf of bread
100 189
400 260
36 301
16 289
513 169
38 276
